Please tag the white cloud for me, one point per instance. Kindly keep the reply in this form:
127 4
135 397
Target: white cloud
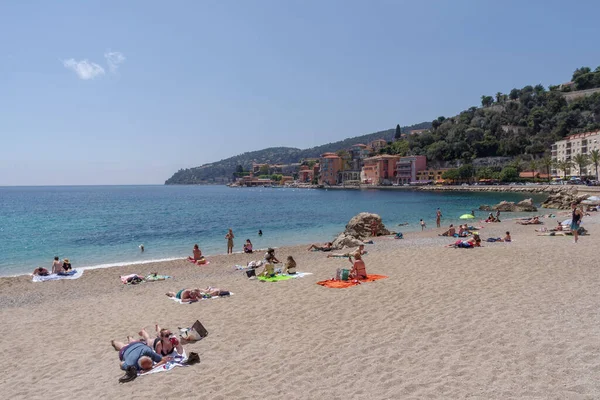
84 69
113 59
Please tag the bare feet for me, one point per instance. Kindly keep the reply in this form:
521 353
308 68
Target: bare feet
112 343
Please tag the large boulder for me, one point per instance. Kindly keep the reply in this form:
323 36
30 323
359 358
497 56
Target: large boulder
358 229
562 200
509 206
526 206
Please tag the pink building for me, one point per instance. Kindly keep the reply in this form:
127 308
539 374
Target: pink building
407 168
378 169
330 164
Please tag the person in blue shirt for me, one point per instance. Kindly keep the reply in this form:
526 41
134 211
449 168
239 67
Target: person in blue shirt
137 356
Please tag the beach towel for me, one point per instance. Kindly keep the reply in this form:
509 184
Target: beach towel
332 283
156 277
176 300
74 274
278 278
178 361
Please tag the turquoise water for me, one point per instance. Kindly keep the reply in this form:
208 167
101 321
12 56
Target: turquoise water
102 225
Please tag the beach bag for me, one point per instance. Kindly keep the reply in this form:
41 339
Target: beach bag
399 235
250 273
195 333
342 274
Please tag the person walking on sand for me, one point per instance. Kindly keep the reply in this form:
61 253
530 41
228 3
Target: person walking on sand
422 223
374 228
438 217
575 221
229 238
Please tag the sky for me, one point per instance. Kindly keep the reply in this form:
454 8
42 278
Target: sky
128 92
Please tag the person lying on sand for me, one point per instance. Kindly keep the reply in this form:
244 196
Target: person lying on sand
532 221
450 232
137 356
41 271
360 249
325 247
186 295
164 343
475 241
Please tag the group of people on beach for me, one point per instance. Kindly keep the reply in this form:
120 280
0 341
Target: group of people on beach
143 354
58 267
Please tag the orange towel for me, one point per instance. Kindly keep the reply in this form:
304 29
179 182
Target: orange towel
332 283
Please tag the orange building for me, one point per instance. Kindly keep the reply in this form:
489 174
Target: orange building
330 164
378 169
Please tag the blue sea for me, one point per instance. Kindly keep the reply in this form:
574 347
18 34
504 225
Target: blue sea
104 225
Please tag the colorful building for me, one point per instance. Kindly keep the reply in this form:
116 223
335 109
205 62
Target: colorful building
307 174
434 175
379 169
377 145
568 148
408 167
330 164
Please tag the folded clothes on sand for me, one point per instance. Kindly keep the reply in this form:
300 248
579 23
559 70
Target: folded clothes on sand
74 274
332 283
277 278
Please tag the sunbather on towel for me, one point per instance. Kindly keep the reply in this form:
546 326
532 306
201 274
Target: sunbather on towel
532 221
325 247
137 356
290 266
197 254
41 271
359 270
450 232
360 249
186 295
164 343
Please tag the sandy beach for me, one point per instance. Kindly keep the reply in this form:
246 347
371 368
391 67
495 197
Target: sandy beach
508 320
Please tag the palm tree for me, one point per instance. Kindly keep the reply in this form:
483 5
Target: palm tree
533 166
547 162
582 161
564 165
499 97
595 160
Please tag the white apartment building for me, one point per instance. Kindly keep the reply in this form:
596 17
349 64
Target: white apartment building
568 148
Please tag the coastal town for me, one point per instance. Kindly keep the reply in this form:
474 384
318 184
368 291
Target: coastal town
573 160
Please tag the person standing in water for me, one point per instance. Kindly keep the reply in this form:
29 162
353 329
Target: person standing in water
229 238
260 232
438 217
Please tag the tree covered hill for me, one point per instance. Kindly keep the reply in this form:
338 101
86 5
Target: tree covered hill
224 169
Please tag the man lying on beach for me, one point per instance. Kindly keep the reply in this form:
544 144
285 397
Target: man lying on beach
532 221
137 356
192 295
326 247
475 241
186 295
41 271
360 250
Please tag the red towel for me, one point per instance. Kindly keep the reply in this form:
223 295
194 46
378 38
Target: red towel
332 283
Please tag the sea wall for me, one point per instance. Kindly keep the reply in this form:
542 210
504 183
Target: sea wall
549 189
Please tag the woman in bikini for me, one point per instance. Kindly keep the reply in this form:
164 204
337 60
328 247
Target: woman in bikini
164 343
186 295
359 270
197 254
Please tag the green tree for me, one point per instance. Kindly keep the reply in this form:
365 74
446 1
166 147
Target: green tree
509 174
485 173
582 161
595 159
533 166
565 166
400 147
239 169
487 101
499 97
580 71
547 163
451 175
398 133
466 172
514 94
264 170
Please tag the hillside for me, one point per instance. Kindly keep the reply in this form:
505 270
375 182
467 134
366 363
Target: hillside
223 169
